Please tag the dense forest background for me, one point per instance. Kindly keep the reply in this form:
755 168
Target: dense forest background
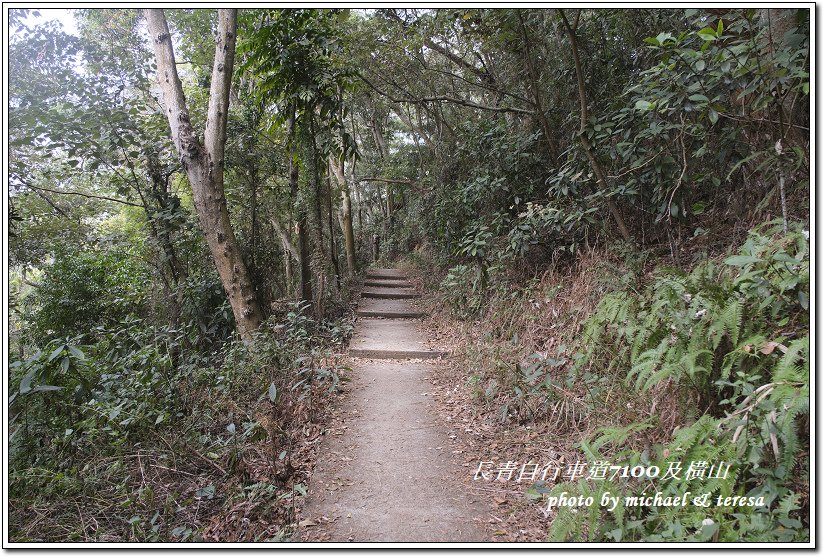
612 207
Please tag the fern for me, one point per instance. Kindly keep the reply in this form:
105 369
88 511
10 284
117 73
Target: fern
729 320
716 333
566 526
616 436
788 370
647 363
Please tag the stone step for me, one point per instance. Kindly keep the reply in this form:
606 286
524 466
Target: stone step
396 339
388 274
390 309
388 283
390 294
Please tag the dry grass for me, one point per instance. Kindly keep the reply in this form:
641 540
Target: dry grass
544 318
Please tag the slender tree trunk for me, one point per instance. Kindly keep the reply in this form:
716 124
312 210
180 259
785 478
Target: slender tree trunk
287 268
203 163
333 248
303 241
253 232
359 201
600 175
288 246
346 214
355 189
289 252
318 251
358 197
378 137
415 129
160 229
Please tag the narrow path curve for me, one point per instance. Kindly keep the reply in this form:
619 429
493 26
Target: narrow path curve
386 473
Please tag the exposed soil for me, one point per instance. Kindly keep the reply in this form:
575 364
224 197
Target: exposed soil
390 468
387 471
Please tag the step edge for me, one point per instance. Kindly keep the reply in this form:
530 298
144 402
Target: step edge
390 315
388 354
390 295
386 277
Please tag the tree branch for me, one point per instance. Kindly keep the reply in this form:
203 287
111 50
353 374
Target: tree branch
26 280
183 134
284 238
215 136
482 85
431 44
387 180
88 195
46 198
412 183
442 98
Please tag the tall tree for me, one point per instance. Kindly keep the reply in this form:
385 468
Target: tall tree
302 219
301 85
346 213
204 162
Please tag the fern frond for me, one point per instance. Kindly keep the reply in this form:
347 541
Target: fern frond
647 362
787 369
730 319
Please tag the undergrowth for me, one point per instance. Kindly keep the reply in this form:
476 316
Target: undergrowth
127 439
656 366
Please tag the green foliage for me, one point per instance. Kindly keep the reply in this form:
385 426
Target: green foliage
463 289
697 117
483 195
296 60
80 412
732 341
691 108
459 128
83 290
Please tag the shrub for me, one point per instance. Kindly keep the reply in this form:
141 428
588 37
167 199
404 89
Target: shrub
731 340
83 290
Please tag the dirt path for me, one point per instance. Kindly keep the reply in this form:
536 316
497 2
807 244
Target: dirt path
387 472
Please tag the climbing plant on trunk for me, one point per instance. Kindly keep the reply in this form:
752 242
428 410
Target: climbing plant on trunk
203 162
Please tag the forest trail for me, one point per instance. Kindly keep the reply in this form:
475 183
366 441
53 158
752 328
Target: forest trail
385 472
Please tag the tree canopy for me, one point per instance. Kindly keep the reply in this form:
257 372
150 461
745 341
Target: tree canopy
194 193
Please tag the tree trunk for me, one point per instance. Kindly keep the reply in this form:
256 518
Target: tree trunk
303 242
287 263
390 204
600 175
253 272
289 252
358 198
318 252
161 231
346 213
333 248
203 163
415 129
288 246
380 143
